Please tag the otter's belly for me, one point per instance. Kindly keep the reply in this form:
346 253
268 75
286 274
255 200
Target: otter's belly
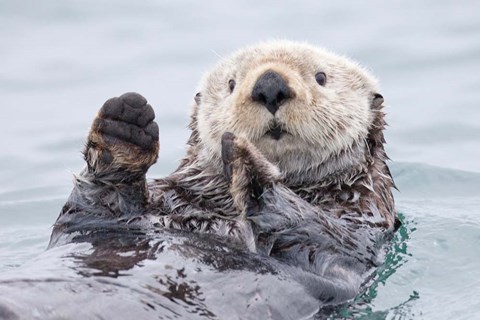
115 275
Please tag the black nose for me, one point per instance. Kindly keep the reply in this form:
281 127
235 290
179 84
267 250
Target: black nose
271 91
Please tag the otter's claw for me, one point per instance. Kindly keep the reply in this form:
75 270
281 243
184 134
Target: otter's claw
228 144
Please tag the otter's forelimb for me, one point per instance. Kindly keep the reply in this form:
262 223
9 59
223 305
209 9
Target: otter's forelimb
252 178
288 227
122 144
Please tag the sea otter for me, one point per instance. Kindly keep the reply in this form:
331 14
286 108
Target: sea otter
286 159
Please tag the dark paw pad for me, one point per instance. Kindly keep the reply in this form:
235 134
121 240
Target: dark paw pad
128 118
142 137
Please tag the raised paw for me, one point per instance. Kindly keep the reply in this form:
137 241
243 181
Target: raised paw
247 170
123 135
128 118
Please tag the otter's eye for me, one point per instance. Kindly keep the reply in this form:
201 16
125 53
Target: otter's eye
321 78
231 85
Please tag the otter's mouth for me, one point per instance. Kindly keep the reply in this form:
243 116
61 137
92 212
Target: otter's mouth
276 132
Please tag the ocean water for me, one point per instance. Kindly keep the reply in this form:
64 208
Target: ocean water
60 60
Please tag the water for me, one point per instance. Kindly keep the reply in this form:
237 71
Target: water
60 60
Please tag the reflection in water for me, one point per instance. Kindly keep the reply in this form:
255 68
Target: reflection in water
117 254
113 255
396 257
183 292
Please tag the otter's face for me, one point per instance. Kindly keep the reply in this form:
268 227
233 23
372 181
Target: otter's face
299 105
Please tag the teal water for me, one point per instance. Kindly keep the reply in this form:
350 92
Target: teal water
60 60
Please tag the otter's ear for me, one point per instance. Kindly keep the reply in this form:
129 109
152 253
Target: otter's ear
197 98
377 100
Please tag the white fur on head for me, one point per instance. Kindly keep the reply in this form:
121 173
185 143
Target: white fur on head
321 121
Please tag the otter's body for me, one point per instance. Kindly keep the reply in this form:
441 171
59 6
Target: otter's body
286 160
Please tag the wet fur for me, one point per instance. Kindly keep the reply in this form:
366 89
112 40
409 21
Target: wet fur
320 202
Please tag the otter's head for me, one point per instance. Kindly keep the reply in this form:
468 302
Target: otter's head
301 106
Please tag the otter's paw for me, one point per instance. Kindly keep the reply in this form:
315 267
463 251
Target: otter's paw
128 119
228 154
123 135
240 157
247 170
